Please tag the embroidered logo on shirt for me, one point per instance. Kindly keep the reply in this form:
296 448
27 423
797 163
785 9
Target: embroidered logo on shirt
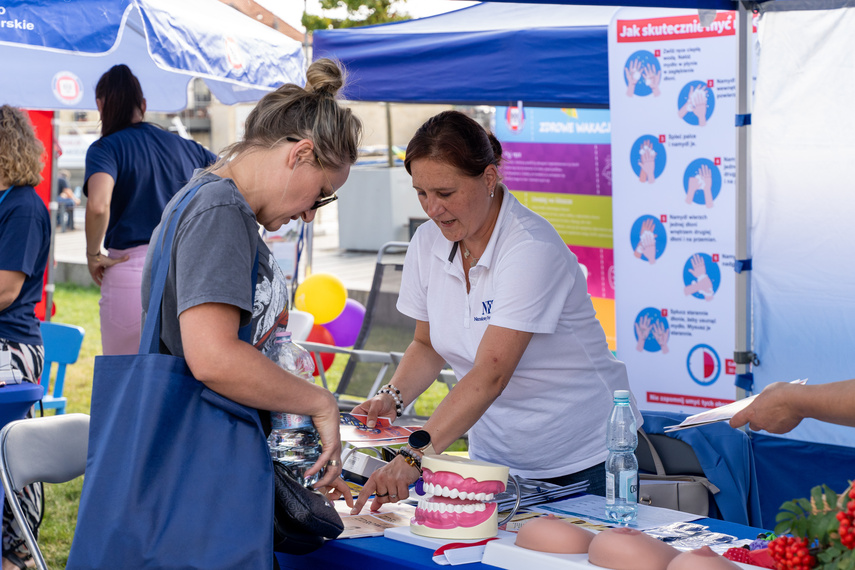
486 306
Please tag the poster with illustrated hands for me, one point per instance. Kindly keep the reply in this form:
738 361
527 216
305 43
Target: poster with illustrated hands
672 86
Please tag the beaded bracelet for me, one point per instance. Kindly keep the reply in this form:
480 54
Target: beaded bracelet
396 395
411 458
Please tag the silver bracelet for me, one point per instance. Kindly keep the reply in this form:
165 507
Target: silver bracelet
396 395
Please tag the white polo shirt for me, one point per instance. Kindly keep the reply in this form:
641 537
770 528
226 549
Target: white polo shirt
551 418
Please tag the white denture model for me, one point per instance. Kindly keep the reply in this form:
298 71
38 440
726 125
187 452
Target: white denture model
457 498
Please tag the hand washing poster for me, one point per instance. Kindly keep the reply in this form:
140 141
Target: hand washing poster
672 91
557 162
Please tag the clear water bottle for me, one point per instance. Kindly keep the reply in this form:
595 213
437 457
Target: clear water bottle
621 465
293 440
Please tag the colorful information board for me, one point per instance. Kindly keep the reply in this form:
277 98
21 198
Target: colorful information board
558 164
672 98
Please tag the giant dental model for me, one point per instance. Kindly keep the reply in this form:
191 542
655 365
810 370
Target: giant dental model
456 501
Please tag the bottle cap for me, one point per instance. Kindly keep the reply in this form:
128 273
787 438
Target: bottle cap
622 395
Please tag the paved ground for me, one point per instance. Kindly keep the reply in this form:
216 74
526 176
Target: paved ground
355 269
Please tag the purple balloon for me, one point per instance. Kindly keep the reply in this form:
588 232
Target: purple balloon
345 327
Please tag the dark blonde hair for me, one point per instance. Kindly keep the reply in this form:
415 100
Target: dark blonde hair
455 139
20 150
294 112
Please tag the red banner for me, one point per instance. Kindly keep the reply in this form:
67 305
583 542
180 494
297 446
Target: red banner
675 28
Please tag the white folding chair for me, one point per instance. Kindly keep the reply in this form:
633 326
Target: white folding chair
51 449
300 325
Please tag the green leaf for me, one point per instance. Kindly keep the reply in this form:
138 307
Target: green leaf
791 506
782 528
816 495
804 504
831 496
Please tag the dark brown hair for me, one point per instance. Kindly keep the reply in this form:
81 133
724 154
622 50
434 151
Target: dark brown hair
120 94
455 139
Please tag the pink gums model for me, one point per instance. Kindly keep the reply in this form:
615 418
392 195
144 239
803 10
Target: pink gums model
452 501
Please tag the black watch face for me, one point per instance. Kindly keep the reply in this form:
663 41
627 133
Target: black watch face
419 439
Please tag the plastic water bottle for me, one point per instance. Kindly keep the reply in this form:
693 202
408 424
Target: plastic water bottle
621 465
293 440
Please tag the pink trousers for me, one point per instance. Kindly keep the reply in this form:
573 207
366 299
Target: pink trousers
121 307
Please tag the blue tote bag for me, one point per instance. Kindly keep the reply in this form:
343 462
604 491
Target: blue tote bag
177 475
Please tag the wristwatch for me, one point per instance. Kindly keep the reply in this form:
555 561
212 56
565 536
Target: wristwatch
420 441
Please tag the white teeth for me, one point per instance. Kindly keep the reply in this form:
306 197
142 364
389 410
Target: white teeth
489 497
480 507
429 488
481 496
470 508
442 507
446 492
454 493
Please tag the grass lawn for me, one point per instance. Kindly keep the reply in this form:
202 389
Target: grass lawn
79 306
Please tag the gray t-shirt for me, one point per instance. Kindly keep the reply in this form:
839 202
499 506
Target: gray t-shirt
211 262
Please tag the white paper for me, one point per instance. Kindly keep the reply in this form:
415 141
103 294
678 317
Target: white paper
593 508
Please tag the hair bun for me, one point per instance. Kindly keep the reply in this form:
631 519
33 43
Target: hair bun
324 77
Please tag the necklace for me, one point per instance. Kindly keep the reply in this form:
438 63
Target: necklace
472 260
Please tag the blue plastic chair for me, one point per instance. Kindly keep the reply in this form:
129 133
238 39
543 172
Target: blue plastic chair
62 347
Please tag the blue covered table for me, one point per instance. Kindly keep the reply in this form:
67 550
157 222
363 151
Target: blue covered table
387 554
15 400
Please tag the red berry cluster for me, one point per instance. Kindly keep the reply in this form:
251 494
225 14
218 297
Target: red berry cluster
846 518
791 553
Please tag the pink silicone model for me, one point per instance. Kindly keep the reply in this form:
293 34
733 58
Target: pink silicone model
629 549
457 494
701 559
554 535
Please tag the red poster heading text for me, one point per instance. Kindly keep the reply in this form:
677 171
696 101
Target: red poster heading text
675 28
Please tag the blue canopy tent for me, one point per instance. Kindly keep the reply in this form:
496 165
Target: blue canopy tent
555 55
52 53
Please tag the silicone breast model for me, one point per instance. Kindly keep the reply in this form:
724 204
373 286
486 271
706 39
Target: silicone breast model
629 549
701 559
456 498
554 535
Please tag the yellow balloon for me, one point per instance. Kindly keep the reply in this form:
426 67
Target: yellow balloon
323 295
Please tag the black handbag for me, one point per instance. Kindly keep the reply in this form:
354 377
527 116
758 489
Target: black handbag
303 519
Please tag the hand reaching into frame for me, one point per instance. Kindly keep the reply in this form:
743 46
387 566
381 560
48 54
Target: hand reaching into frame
632 73
661 334
642 330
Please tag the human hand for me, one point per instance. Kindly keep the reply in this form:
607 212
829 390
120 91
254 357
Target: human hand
772 410
381 405
327 423
706 184
647 162
389 484
652 77
700 105
661 334
633 74
642 330
99 263
689 104
338 490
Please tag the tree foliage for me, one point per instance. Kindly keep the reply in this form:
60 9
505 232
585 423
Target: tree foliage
359 13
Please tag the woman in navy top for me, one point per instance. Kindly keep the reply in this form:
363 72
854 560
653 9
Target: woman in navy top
24 246
132 171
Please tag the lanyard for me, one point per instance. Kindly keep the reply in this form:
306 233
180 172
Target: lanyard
3 197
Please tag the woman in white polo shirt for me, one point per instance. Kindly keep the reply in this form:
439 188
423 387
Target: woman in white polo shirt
497 294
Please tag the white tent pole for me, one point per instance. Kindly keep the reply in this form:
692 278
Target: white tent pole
744 90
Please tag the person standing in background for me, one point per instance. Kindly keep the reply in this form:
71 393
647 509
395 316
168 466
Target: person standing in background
67 201
132 171
24 246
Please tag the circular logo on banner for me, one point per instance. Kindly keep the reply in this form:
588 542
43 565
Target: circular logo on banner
67 88
233 53
703 364
515 117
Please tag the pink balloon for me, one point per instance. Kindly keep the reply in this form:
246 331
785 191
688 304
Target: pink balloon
345 327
